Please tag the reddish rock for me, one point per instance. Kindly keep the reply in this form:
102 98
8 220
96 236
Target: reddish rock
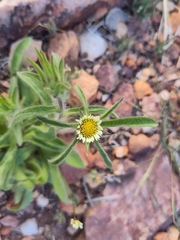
142 89
122 214
108 77
151 106
161 236
88 83
5 231
66 45
18 18
10 221
126 92
139 143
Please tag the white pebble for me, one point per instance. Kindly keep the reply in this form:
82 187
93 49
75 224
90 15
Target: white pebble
105 97
92 45
114 16
29 227
164 95
42 201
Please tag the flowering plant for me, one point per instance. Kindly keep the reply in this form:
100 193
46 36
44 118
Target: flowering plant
89 128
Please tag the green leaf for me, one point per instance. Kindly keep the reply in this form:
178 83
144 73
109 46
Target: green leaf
110 111
6 167
82 98
33 111
45 65
41 132
25 196
17 57
56 123
94 109
23 153
38 69
5 140
36 86
59 184
13 92
61 157
18 134
74 160
33 166
61 88
130 122
103 154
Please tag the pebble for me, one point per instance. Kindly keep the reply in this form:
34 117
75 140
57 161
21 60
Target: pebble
10 221
118 168
120 151
92 45
170 6
96 68
138 143
121 30
155 139
89 85
107 76
5 231
105 97
151 106
42 201
161 236
173 233
164 95
142 89
29 227
66 45
115 16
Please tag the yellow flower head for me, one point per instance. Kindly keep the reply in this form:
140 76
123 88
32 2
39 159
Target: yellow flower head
76 223
89 128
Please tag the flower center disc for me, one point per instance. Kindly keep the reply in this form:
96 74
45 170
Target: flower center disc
88 128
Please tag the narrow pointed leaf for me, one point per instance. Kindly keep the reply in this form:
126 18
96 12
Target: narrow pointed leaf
59 184
37 68
110 111
17 57
130 122
82 98
36 86
61 157
33 111
94 109
103 154
56 123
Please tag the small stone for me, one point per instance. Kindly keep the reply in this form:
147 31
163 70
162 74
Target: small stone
114 16
164 95
89 85
154 142
5 231
173 233
120 151
135 130
29 227
29 53
140 60
138 143
105 97
66 45
161 236
96 68
177 83
142 89
148 130
118 168
151 106
145 73
174 20
170 6
42 201
108 77
121 30
126 92
92 45
10 221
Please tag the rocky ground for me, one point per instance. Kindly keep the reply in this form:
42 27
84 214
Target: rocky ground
118 56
